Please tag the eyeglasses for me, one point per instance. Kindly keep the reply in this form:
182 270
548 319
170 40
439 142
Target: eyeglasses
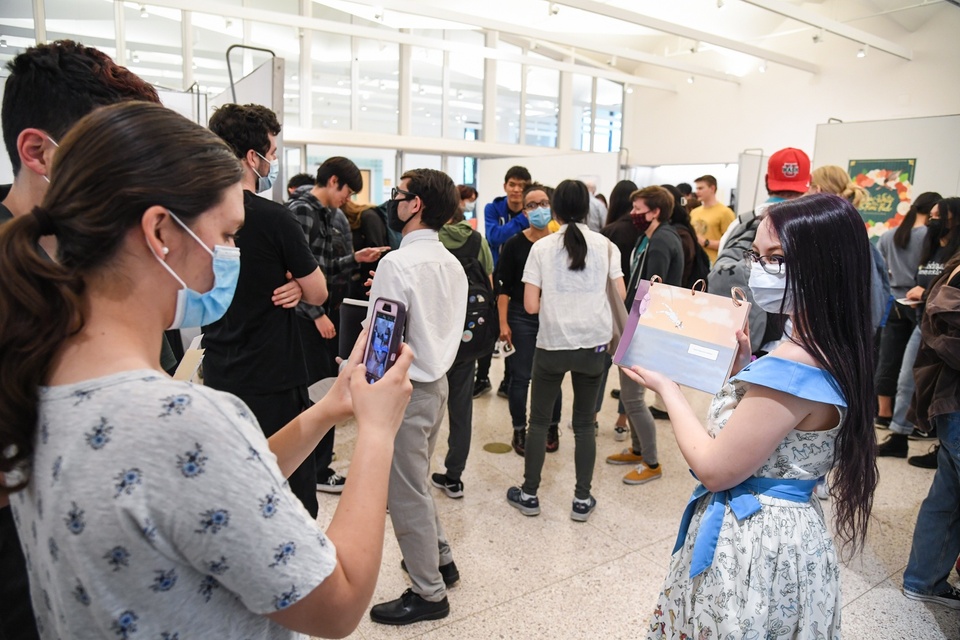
530 206
406 195
771 264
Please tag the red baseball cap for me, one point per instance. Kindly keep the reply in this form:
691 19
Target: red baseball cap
788 170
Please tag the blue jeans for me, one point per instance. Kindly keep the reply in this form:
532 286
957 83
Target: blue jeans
905 386
936 538
524 328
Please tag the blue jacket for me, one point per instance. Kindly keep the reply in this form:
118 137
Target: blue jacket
501 224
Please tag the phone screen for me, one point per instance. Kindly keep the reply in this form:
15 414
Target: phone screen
384 324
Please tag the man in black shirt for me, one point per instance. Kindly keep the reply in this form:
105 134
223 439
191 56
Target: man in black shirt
255 351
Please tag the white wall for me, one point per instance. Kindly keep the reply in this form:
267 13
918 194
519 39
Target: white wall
712 121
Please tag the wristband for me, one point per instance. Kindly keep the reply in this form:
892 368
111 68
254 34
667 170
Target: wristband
706 243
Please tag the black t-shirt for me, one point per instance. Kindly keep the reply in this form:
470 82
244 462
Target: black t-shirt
255 348
5 215
513 258
928 272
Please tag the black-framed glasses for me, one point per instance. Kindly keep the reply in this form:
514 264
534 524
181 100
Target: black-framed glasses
406 194
771 264
530 206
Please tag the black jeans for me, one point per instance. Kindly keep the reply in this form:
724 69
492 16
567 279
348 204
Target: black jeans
549 367
893 340
320 357
460 413
524 328
16 612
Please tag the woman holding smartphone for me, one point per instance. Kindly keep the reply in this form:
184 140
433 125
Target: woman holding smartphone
150 507
566 279
754 557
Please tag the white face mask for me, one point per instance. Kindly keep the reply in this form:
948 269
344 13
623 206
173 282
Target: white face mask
769 290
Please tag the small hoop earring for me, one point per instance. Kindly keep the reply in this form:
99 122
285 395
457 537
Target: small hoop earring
165 250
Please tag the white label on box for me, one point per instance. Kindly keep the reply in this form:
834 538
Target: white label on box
703 352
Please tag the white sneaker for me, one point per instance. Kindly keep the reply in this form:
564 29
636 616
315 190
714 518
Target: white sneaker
620 433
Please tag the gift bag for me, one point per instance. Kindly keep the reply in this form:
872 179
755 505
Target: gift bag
686 334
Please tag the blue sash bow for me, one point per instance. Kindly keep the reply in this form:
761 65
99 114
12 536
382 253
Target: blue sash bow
742 502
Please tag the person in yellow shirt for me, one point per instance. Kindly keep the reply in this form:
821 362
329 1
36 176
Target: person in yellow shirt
711 218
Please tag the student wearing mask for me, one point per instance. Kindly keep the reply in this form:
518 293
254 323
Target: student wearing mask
566 282
517 327
254 351
148 506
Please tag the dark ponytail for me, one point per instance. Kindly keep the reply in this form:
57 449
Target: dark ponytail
40 307
116 163
571 203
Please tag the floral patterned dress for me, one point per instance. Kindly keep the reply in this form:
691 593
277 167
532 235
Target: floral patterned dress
775 574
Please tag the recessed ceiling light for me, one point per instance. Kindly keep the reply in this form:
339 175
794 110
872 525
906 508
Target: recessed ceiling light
862 53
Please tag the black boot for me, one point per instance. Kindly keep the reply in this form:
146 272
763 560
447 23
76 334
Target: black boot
519 441
553 438
895 446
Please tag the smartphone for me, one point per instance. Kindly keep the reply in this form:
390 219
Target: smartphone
384 337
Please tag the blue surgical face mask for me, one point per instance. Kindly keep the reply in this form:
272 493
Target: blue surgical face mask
540 217
265 183
196 309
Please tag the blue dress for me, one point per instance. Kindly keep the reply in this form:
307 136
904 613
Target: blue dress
775 572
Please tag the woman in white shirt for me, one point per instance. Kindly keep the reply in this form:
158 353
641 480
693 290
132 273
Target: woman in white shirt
149 507
566 279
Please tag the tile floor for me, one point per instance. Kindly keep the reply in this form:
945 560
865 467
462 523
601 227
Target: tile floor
551 577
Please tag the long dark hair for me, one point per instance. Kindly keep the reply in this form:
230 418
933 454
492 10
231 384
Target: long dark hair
949 210
822 237
571 203
680 216
620 202
114 165
923 204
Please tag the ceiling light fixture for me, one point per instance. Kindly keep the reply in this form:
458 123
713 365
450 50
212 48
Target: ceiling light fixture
719 4
378 13
136 58
818 37
628 89
690 80
862 52
553 8
3 43
763 67
143 11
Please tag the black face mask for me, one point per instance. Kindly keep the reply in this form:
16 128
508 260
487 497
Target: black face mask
935 227
640 222
393 219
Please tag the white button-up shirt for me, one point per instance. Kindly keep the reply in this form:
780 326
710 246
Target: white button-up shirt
431 283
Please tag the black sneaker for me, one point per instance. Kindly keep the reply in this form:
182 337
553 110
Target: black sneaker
448 572
882 422
503 390
409 608
581 510
927 460
895 446
334 484
519 441
453 488
528 507
481 387
553 438
949 598
615 394
659 415
916 434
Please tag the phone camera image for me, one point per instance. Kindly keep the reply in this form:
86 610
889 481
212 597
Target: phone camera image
383 343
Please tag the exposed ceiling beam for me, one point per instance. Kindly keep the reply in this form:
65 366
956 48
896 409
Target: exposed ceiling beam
628 15
805 16
443 12
392 35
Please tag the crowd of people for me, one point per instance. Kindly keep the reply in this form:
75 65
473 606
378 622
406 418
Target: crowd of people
137 505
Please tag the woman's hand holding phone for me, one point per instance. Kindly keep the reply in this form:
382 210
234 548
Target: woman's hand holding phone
381 405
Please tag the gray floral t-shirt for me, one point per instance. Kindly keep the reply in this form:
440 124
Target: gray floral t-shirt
155 509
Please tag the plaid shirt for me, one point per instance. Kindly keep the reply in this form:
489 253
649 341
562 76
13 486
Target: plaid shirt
331 242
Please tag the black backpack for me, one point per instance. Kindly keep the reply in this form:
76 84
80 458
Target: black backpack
481 327
701 268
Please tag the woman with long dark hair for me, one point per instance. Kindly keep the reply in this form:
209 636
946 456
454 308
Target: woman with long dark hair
150 507
619 229
566 278
900 249
754 557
